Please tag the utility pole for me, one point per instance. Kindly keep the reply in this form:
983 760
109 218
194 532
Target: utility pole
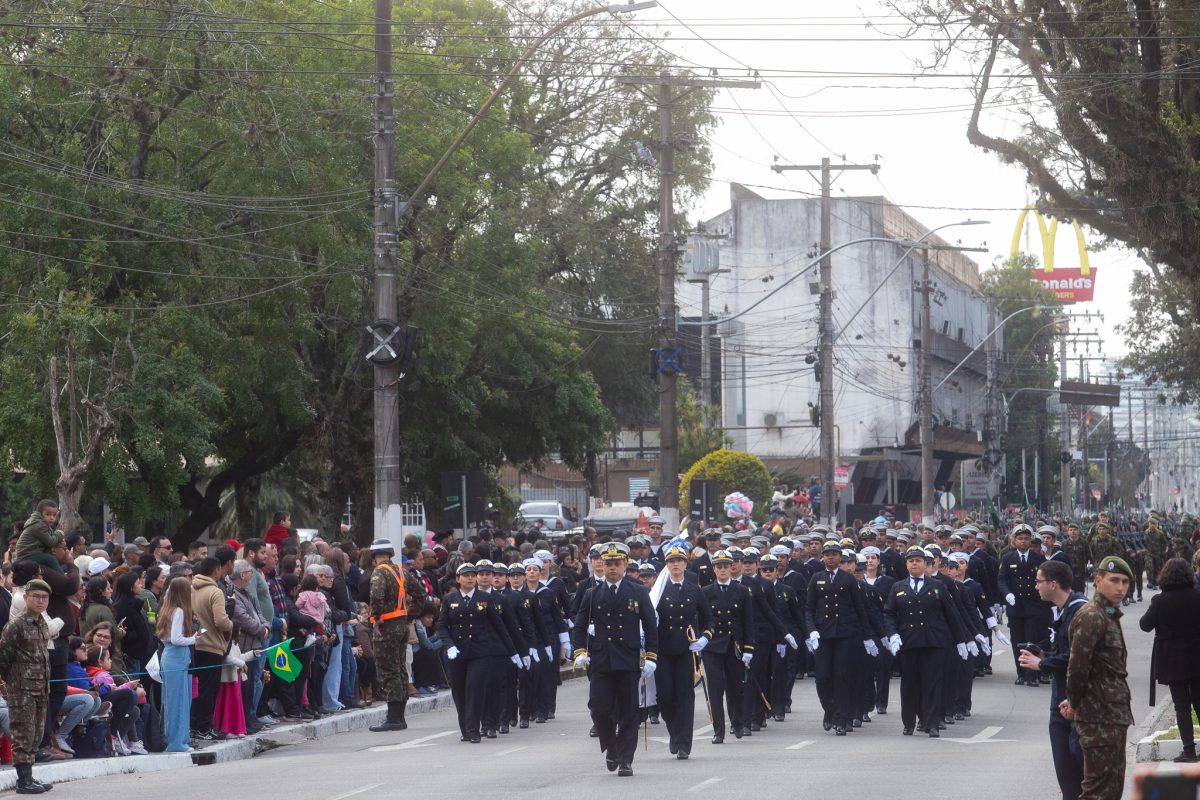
825 323
1065 461
667 256
926 402
992 415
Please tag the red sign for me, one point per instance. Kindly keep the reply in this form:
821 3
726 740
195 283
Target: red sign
1068 285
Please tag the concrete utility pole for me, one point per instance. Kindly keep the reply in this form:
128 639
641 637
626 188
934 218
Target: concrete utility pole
1065 461
925 400
668 255
825 323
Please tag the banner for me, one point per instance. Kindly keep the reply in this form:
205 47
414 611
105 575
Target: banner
841 477
1068 284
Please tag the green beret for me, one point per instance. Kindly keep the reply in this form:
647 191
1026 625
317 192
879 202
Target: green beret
38 583
1114 564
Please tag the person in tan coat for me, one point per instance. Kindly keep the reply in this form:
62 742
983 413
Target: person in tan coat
214 635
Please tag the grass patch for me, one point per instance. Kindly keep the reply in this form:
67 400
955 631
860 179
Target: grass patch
1173 732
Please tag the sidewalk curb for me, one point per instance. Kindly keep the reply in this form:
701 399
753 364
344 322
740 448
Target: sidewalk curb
282 735
1146 748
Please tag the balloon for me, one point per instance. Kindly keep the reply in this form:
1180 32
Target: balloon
737 505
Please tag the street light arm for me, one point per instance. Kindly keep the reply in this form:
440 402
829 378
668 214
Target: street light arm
982 342
613 8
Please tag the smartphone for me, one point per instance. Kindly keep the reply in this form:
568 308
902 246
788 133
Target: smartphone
1168 786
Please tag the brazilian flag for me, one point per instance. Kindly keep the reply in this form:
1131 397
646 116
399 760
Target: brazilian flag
283 664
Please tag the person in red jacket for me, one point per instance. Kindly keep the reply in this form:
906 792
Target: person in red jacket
280 530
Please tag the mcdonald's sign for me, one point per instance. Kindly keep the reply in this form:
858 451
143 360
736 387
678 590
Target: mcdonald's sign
1070 285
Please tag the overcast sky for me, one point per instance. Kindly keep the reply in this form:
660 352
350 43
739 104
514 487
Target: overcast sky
915 125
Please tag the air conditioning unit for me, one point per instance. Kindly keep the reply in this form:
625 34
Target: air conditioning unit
770 420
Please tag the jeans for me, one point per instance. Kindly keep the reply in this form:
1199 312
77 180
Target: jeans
252 688
349 666
331 682
77 708
177 696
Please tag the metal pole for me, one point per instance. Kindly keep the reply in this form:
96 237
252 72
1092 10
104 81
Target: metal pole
826 346
463 498
668 455
387 377
1065 468
926 402
705 354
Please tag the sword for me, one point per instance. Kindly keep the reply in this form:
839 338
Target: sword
698 666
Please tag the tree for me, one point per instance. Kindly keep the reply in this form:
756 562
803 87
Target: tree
1111 112
1164 345
734 471
698 434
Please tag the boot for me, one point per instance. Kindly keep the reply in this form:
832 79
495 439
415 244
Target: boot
394 721
1188 755
25 782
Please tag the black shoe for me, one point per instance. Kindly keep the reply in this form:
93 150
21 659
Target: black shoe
787 709
908 731
866 717
489 733
476 738
987 670
718 739
611 764
948 720
746 731
539 719
625 771
754 726
674 748
654 719
353 704
736 731
525 724
840 730
1019 681
550 715
778 718
941 727
933 733
967 713
464 738
958 715
1032 683
504 728
682 755
592 733
881 709
827 722
856 723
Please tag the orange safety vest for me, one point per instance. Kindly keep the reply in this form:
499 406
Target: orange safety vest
401 609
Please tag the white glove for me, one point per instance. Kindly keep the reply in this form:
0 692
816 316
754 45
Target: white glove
997 609
1010 599
894 644
524 660
648 669
872 648
781 649
699 644
549 652
570 624
746 658
979 637
814 641
516 660
452 653
791 640
591 629
962 650
986 648
582 661
972 648
533 653
1000 637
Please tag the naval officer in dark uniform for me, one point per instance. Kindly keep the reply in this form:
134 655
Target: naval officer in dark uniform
1028 614
685 626
613 620
727 655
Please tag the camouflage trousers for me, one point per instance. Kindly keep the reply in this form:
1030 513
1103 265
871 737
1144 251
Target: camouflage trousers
27 717
1103 760
390 661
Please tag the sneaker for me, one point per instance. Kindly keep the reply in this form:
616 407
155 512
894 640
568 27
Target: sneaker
63 744
118 747
267 720
138 749
103 711
204 736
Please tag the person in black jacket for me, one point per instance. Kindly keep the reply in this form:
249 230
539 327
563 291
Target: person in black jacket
685 625
612 625
769 633
1173 616
727 655
299 626
522 607
921 623
496 710
478 644
784 660
879 671
1028 615
137 644
835 615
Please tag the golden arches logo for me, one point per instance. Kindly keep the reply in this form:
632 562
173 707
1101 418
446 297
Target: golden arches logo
1070 285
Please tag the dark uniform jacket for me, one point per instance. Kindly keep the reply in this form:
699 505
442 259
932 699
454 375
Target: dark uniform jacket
584 585
1017 578
768 629
682 608
508 602
835 608
545 634
924 618
983 567
545 605
701 567
791 609
475 625
875 597
611 625
892 562
522 606
967 614
1055 662
733 618
1174 616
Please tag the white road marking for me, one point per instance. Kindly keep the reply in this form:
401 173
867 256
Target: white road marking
704 731
702 785
359 790
509 751
661 739
424 741
798 745
984 735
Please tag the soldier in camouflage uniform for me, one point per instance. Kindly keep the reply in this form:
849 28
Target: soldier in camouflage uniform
1076 548
25 667
1103 543
1098 697
391 612
1158 550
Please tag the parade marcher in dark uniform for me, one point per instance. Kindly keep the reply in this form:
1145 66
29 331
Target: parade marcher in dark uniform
500 706
768 634
791 614
1055 582
835 615
1134 545
921 624
526 693
1028 615
478 644
728 654
1098 697
25 668
891 560
701 565
597 578
396 597
876 589
864 695
685 627
614 621
548 623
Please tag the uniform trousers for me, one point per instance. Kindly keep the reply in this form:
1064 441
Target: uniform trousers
472 680
921 672
834 661
759 683
27 718
613 702
1024 630
1103 760
781 684
547 686
528 688
724 673
879 682
504 683
1067 755
677 696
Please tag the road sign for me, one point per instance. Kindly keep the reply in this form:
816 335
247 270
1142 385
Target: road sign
976 483
389 342
841 477
947 500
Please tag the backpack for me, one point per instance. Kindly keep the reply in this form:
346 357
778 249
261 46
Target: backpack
154 735
91 740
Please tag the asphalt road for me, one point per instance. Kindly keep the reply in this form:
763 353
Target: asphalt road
999 753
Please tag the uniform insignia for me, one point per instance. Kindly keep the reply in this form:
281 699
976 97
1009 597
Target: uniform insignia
899 594
480 606
820 583
454 605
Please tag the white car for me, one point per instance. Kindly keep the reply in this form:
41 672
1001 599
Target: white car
554 516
